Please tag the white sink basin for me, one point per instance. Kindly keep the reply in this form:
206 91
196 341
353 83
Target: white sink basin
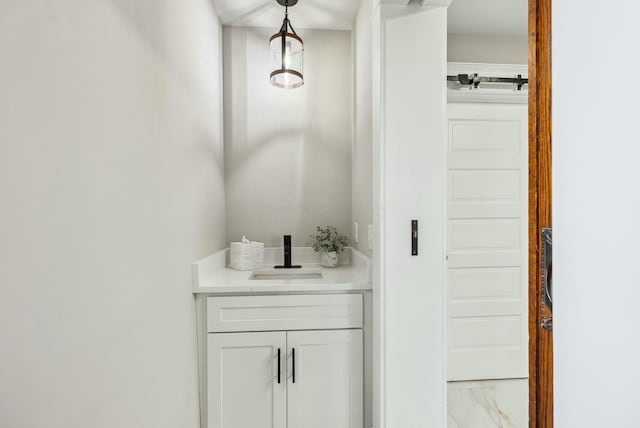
284 274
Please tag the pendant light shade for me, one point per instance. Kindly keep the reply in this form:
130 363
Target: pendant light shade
287 50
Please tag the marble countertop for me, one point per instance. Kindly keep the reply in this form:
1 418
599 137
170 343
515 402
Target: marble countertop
212 276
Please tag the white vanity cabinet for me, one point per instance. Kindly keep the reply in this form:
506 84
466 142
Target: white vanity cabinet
285 361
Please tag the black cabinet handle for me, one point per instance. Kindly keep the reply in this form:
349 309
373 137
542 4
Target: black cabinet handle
293 361
278 365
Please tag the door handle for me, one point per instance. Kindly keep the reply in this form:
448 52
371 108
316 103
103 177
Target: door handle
278 365
293 365
546 298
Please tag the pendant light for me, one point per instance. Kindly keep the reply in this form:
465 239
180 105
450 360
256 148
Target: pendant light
287 51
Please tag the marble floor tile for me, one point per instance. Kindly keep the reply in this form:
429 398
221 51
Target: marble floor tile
488 404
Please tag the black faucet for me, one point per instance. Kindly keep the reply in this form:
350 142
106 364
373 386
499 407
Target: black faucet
287 255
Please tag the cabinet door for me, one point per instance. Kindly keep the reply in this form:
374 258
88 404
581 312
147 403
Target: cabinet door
324 379
243 388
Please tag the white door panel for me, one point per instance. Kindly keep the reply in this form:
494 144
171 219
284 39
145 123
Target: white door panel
483 160
492 210
482 235
490 134
487 242
484 185
477 288
503 331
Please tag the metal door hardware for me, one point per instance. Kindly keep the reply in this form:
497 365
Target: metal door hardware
414 237
546 290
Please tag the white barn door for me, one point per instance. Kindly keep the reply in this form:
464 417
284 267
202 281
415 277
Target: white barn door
487 193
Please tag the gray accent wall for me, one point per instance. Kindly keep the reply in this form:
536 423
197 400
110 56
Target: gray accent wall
362 178
287 151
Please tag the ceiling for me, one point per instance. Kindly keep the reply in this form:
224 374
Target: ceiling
483 17
318 14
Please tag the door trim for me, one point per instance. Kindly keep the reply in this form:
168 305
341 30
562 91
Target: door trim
540 122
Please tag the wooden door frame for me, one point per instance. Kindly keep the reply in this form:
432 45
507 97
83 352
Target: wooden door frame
540 361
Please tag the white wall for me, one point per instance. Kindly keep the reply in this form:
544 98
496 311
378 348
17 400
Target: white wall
287 152
487 49
111 183
362 162
596 208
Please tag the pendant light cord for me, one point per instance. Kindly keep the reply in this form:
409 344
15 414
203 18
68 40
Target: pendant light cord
286 24
283 35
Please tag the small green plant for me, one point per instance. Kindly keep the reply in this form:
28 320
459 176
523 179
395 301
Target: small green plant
328 239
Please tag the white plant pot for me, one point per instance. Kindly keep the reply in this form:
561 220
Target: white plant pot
329 259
